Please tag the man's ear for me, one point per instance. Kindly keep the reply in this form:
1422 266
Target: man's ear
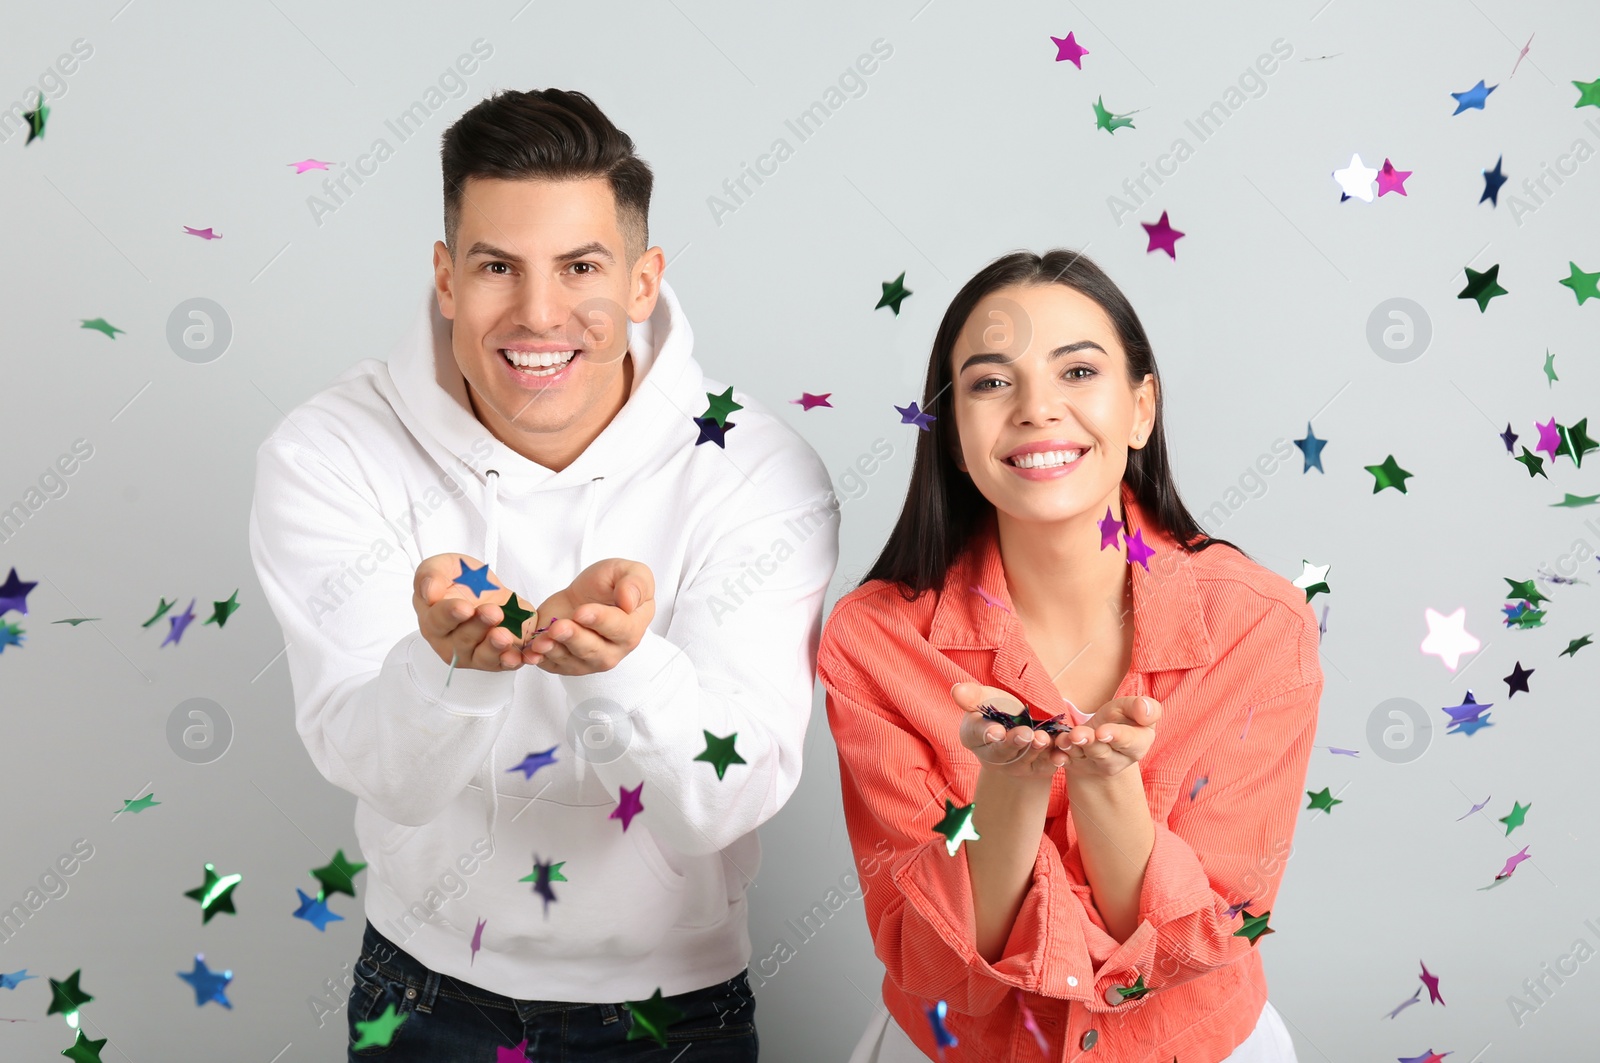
644 284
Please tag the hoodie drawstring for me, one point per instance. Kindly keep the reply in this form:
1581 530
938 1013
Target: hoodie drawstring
491 544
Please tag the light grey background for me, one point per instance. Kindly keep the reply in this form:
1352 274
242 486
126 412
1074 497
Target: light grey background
970 140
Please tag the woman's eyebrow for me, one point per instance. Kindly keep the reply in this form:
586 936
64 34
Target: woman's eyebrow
1003 359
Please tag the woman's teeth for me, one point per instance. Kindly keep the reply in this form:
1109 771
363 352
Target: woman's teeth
547 364
1046 459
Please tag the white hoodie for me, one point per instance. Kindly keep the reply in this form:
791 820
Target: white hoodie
388 466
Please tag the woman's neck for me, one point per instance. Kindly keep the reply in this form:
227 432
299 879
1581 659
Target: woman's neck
1060 579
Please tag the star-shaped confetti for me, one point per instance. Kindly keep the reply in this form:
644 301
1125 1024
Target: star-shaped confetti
14 593
1585 286
1550 367
1312 579
338 875
84 1050
1513 819
208 984
515 615
1388 474
1311 449
1588 93
10 635
517 1053
1432 982
1430 1056
1525 589
990 600
1322 799
712 432
956 826
1492 180
15 978
1473 97
808 401
1162 236
1404 1004
544 873
895 292
1578 437
66 997
36 120
1573 646
628 805
1356 179
1109 529
161 612
1572 501
215 894
308 164
1138 552
180 623
1475 808
651 1018
719 752
315 910
1518 679
476 580
100 324
1534 463
719 406
380 1031
1198 783
1482 287
139 804
1512 861
1392 180
912 415
942 1037
220 611
205 234
1447 637
1104 119
1069 50
1469 709
534 761
1254 926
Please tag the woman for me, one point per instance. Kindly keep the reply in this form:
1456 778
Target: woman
1111 886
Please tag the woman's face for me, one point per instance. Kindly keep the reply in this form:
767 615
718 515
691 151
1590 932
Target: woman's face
1038 371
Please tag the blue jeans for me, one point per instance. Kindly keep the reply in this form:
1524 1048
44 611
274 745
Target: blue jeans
447 1020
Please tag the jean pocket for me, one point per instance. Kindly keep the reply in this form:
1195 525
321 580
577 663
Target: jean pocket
370 999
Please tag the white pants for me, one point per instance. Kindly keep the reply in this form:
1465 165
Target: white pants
885 1042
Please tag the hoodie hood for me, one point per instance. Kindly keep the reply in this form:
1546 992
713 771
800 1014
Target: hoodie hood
429 395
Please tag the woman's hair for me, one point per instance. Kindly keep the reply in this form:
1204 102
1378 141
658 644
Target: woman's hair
549 134
943 508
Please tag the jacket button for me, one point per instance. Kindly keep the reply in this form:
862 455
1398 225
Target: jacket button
1089 1039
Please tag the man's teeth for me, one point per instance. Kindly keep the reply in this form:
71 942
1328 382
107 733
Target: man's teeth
1046 459
545 364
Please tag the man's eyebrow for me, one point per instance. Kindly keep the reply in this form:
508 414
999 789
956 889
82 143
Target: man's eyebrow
593 248
1005 359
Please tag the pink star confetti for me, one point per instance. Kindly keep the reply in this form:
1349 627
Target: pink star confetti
204 234
308 164
1138 552
629 805
1109 527
808 401
1069 50
1392 180
1163 237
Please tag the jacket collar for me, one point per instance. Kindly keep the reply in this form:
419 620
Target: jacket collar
1169 628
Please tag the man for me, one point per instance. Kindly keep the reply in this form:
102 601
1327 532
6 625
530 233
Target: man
558 813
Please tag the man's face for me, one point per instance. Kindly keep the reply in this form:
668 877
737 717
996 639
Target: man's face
540 293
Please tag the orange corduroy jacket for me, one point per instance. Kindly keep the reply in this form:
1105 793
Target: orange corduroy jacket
1230 649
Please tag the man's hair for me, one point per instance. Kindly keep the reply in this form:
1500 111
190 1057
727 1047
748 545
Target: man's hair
548 134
